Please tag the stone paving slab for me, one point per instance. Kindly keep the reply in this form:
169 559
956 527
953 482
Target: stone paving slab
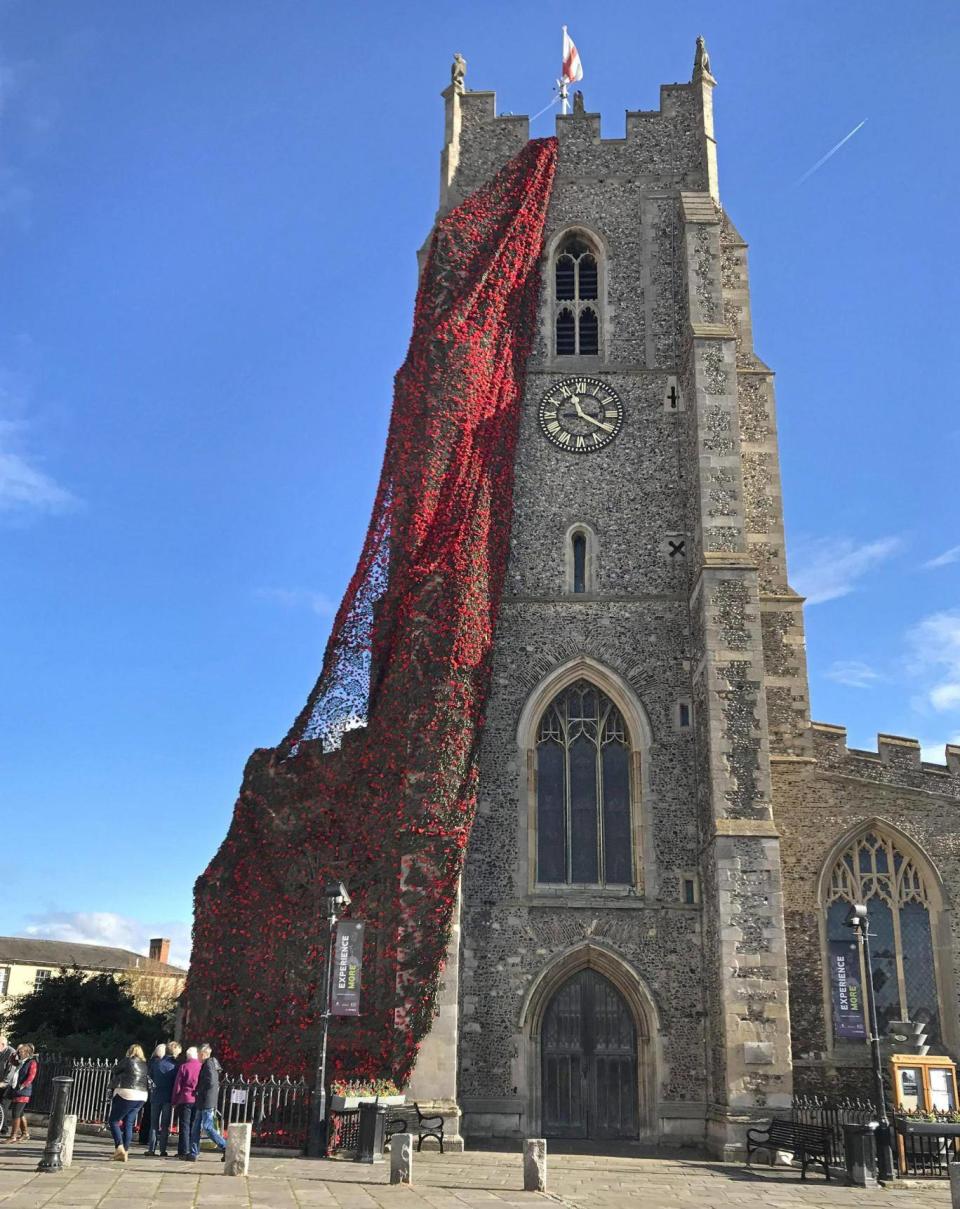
475 1180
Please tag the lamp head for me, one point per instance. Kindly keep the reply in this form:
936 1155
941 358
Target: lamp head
856 916
336 895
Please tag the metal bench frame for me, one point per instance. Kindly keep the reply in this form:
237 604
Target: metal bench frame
427 1127
807 1143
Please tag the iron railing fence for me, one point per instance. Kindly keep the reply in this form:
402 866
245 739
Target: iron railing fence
278 1109
925 1152
833 1114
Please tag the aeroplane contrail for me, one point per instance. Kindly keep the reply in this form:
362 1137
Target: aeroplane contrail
833 151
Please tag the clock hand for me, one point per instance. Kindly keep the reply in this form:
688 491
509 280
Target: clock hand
590 420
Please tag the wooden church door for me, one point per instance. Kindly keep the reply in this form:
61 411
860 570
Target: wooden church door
589 1061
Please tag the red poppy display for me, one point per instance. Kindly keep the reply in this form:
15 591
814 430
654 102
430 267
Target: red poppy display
375 784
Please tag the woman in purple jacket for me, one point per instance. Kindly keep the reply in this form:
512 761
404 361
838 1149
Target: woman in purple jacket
184 1098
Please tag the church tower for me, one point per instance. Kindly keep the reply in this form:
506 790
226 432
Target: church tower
560 747
620 969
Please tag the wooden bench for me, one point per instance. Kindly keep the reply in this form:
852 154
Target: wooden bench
807 1143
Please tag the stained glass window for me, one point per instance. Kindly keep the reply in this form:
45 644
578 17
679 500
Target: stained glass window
584 834
875 871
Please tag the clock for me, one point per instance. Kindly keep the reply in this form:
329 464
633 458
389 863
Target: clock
581 414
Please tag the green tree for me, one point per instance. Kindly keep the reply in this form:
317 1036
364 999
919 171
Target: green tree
83 1016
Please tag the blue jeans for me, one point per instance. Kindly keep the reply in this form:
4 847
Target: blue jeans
203 1123
123 1113
159 1127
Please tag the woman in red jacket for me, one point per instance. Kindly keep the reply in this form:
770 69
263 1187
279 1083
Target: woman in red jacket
26 1076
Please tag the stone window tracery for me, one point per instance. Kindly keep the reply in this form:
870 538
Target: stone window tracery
876 870
576 292
584 832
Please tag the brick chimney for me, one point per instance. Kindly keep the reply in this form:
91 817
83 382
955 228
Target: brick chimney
160 950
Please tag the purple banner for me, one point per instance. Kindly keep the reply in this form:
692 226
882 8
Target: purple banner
347 966
846 989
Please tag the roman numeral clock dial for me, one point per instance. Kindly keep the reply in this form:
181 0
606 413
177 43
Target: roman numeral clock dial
581 414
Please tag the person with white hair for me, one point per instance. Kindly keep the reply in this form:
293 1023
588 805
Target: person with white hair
208 1095
184 1098
163 1069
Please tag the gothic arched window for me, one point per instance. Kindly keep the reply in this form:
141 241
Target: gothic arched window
874 869
584 834
576 282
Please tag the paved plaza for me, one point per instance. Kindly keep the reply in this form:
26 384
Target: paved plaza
476 1180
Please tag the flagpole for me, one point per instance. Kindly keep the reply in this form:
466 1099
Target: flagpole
562 81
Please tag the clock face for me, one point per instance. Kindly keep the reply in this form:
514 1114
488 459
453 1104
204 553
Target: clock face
581 414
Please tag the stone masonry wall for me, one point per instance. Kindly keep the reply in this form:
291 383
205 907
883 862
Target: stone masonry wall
816 805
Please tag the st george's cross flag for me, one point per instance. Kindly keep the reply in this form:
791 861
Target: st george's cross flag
571 69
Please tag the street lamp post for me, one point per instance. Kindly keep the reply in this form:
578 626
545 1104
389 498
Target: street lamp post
337 900
858 919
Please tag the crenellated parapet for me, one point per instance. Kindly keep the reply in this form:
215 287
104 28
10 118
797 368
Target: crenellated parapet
671 148
896 762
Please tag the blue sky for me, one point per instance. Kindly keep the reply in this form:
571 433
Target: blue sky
208 220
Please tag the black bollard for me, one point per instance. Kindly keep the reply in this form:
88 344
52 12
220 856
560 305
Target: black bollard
52 1158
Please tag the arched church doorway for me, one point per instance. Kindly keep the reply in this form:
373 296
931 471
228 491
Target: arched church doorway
588 1059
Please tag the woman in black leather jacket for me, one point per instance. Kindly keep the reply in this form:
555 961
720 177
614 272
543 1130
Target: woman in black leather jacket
129 1085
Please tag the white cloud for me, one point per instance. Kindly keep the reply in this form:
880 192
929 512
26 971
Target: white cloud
943 560
299 598
829 567
24 487
106 928
853 673
935 644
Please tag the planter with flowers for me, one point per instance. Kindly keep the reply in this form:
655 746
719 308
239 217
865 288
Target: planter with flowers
347 1094
932 1123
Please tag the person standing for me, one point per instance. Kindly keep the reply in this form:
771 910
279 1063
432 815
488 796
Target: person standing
25 1078
8 1059
208 1093
8 1068
129 1086
162 1070
184 1097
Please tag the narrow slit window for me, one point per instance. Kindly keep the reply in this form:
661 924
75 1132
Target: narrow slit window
579 562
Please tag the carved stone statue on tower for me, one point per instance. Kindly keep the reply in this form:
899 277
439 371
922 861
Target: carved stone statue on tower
458 71
701 59
578 102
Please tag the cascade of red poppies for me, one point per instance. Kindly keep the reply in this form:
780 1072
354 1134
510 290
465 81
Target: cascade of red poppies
376 782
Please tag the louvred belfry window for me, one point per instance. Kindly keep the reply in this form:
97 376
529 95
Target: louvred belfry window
576 285
583 791
874 870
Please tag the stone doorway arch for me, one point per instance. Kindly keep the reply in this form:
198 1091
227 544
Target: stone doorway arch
539 1010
